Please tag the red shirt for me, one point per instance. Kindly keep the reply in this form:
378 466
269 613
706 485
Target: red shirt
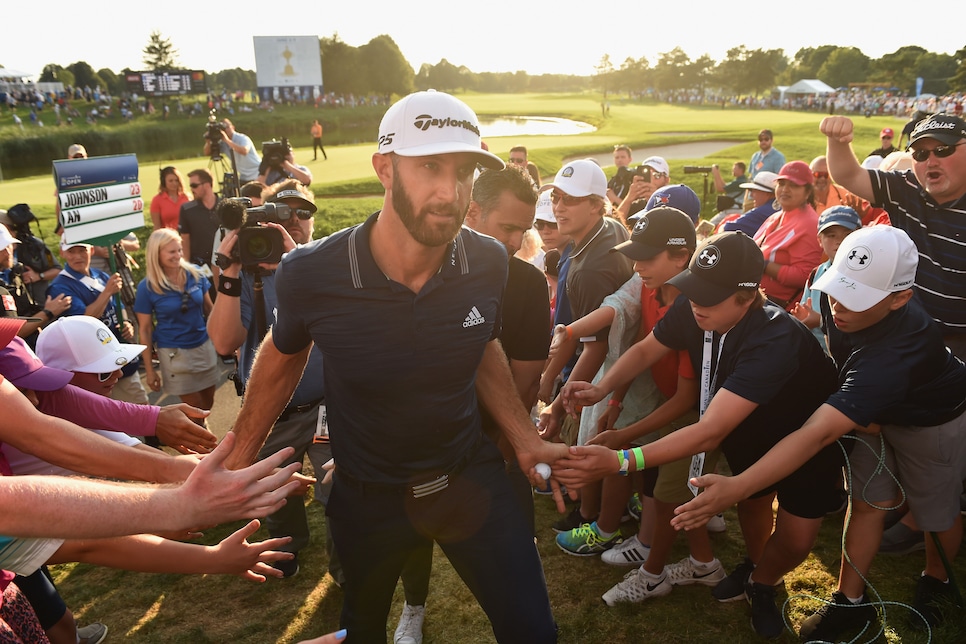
665 371
169 210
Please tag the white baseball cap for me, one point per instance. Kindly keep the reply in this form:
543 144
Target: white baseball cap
659 164
85 344
65 245
431 122
6 238
544 210
580 178
764 181
870 264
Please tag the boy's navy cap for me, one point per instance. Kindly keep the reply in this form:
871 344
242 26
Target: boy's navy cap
839 216
721 266
945 128
660 229
869 265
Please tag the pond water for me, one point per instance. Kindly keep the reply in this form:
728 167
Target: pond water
532 126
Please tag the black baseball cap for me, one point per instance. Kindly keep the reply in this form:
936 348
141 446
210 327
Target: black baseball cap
659 229
945 128
721 266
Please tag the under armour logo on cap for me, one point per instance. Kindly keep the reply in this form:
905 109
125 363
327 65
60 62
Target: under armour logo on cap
708 257
641 225
859 258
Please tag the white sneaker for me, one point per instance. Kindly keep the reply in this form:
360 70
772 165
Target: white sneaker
636 587
628 552
410 629
717 523
685 573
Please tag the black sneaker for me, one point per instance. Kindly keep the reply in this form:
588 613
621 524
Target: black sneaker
732 587
837 617
932 598
571 521
766 619
289 567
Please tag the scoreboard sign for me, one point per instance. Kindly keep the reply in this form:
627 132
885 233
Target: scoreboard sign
166 83
100 198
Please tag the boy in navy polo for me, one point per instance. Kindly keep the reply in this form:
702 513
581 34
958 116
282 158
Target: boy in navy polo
905 394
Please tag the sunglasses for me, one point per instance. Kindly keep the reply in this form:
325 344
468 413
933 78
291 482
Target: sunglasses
104 377
184 302
195 185
556 197
820 175
941 152
541 224
764 138
78 156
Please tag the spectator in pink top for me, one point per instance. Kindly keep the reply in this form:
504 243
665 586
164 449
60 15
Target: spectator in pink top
788 239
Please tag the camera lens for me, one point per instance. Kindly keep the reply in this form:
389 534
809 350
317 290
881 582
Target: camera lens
258 247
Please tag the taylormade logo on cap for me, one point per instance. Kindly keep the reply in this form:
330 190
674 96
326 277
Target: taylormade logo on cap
426 121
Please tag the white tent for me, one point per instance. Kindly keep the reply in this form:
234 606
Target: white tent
810 86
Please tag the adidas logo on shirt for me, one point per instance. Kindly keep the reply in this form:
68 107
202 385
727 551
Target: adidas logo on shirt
473 318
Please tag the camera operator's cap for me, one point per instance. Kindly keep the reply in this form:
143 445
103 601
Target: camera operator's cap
659 229
720 267
797 172
83 343
677 196
6 238
65 245
839 216
580 178
764 181
21 366
544 210
887 131
659 164
945 128
76 149
9 326
282 195
870 264
431 122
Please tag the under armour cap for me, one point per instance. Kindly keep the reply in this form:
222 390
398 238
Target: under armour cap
431 122
677 196
721 266
579 178
544 210
870 264
21 366
83 343
945 128
764 182
282 195
6 238
839 216
659 164
659 229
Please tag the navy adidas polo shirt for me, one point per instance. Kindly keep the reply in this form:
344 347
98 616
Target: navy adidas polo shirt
400 367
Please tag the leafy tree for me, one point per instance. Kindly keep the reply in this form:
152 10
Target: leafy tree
670 69
84 75
387 70
444 76
604 74
764 69
160 54
56 74
936 70
843 66
900 68
806 64
958 81
342 72
111 81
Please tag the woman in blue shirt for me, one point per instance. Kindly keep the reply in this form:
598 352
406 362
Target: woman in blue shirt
171 305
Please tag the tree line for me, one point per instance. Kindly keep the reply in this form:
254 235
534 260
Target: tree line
379 67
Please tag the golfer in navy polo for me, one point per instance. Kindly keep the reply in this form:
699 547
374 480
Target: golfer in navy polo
405 308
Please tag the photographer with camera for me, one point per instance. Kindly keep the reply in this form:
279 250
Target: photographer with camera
240 145
232 325
16 299
654 173
39 264
619 184
278 164
91 292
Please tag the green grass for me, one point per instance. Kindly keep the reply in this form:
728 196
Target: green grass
173 609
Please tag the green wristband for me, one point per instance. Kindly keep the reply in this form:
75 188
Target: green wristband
638 453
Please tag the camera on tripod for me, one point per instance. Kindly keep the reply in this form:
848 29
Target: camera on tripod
274 152
256 244
213 134
697 169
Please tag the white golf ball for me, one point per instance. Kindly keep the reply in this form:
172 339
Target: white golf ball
543 470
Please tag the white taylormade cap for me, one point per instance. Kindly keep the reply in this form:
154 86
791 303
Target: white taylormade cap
870 264
579 178
85 344
432 122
